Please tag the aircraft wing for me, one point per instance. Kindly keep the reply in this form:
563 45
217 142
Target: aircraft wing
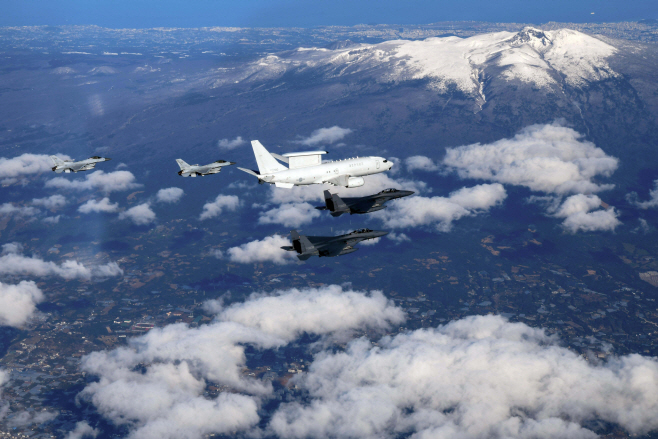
339 180
79 166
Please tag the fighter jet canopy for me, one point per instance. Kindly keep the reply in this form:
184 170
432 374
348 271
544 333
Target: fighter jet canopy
360 231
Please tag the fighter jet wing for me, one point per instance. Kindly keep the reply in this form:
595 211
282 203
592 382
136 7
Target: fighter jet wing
81 166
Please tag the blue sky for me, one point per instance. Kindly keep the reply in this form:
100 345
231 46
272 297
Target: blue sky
298 13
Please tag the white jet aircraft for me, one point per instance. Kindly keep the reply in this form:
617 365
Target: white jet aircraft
71 166
307 168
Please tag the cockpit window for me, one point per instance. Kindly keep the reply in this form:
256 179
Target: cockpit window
385 161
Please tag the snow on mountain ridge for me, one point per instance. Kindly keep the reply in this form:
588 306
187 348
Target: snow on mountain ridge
541 58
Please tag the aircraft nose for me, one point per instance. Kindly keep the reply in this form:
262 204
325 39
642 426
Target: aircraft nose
107 160
231 163
380 233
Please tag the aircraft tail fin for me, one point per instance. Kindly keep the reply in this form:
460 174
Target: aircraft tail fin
335 204
182 164
267 164
56 160
302 245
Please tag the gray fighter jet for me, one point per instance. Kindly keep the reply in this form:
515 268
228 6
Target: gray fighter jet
194 170
307 246
71 166
372 203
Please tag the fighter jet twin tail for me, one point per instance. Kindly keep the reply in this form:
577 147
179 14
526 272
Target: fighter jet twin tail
304 168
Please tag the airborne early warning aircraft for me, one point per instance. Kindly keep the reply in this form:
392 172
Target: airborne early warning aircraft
307 168
307 246
71 166
194 170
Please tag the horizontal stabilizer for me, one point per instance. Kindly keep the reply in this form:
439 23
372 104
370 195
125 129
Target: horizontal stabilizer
280 157
249 171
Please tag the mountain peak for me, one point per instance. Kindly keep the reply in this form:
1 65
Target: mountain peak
532 36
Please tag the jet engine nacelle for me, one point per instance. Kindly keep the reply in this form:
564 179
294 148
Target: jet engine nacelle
355 182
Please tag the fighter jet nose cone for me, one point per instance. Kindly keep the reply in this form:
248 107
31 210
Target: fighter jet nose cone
107 160
231 163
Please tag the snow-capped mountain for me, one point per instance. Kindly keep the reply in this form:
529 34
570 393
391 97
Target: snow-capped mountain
543 59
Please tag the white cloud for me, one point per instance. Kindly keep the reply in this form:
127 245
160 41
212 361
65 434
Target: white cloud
13 262
578 215
7 209
547 158
651 203
25 418
103 205
104 182
597 221
51 219
473 378
169 195
4 406
18 303
265 250
289 215
398 238
231 144
421 163
325 136
26 164
52 202
222 202
164 399
82 430
140 215
442 211
368 242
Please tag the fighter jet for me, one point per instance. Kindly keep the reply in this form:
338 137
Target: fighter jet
194 170
307 168
371 203
71 166
307 246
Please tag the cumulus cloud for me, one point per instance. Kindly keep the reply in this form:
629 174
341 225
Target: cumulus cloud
398 238
442 211
24 418
53 202
8 209
231 144
11 170
265 250
221 203
163 398
480 376
289 215
652 202
325 136
579 214
104 205
420 163
51 219
140 215
13 262
82 430
18 303
476 377
169 195
548 158
98 180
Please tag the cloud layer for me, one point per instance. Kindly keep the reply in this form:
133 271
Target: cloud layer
221 203
289 215
164 398
652 202
265 250
13 262
442 211
26 164
548 158
325 136
98 180
140 215
103 205
18 303
169 195
476 377
231 144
